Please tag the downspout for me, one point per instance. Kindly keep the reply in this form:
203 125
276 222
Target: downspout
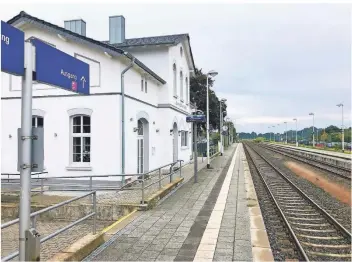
123 118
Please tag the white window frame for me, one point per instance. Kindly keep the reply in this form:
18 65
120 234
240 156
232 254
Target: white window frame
181 86
184 139
36 117
142 84
174 74
76 55
145 86
79 166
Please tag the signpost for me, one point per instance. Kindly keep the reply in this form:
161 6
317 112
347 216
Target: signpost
12 50
53 67
195 119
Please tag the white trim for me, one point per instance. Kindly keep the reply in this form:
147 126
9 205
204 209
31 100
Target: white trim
142 114
38 112
79 168
80 111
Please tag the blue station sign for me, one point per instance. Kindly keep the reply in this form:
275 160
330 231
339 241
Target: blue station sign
195 118
56 68
12 50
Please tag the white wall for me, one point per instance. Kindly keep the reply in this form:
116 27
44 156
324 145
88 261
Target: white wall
106 114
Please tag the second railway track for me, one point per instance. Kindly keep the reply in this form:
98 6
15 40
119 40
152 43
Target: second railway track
339 171
315 233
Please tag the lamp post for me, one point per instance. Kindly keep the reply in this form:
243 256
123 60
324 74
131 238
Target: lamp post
312 114
209 74
343 133
295 119
286 132
269 134
221 126
278 125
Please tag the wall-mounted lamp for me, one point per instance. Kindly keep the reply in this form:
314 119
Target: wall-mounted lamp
135 129
157 130
62 37
55 134
107 54
154 123
10 136
131 119
171 131
179 133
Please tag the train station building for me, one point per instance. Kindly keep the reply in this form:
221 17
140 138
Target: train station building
82 134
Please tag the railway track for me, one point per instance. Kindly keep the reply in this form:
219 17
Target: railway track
339 171
317 236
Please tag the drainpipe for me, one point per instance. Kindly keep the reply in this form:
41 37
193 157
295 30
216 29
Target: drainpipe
123 118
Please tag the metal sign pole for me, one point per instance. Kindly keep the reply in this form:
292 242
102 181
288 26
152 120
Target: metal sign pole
195 151
26 165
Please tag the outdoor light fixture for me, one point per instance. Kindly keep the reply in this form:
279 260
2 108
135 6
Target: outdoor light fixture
171 131
135 129
157 130
107 54
10 136
131 119
55 134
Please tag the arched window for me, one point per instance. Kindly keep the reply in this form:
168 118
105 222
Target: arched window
181 86
81 138
174 79
187 90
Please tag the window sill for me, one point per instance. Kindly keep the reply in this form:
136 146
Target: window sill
79 168
184 147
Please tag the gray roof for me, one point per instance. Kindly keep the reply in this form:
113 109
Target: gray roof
23 16
155 40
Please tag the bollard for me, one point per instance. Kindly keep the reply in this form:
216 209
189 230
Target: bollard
95 212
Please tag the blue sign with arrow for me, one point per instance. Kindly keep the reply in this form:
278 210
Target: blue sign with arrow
195 118
54 67
12 50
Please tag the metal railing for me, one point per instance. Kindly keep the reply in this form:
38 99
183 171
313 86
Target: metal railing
82 187
33 217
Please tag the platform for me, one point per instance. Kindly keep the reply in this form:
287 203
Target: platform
204 221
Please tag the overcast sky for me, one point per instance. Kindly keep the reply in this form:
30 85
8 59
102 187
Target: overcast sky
275 61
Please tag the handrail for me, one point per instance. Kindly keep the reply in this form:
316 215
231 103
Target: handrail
37 213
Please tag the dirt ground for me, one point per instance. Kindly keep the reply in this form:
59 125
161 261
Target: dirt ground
334 189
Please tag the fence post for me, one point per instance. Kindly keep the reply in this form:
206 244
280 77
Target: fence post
33 220
41 190
95 212
159 178
91 187
171 167
143 191
180 168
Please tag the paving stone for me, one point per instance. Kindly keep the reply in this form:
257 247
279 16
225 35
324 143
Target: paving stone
148 255
165 258
224 245
170 251
174 244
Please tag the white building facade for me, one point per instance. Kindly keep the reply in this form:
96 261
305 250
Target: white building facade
82 134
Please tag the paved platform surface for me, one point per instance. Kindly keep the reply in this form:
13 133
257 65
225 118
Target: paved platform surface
319 151
204 221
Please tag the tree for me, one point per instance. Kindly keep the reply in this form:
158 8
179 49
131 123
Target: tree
198 96
324 136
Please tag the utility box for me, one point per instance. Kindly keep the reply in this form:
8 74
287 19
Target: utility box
32 245
37 149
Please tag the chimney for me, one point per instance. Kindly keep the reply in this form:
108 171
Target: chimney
77 26
116 29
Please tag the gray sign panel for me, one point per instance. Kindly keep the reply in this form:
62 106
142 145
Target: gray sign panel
37 150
